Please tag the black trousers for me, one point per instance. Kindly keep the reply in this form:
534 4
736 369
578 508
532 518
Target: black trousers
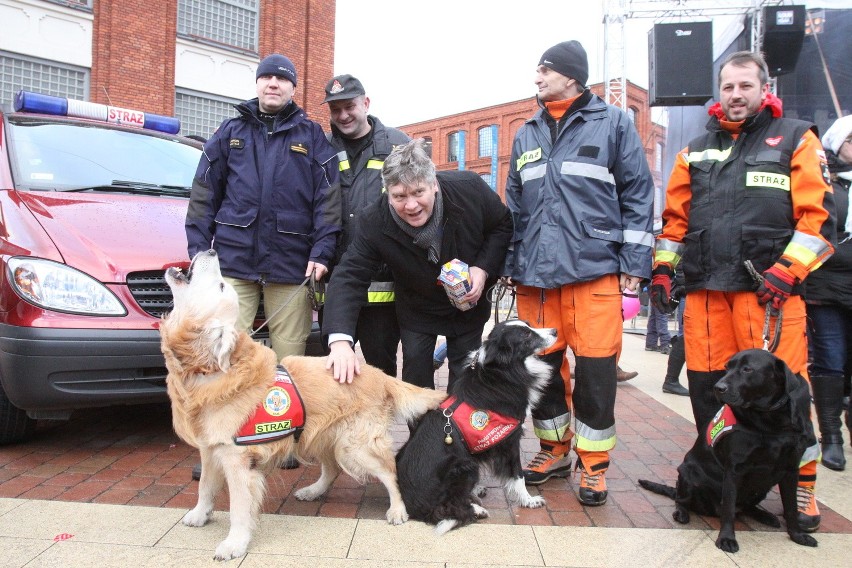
378 332
418 348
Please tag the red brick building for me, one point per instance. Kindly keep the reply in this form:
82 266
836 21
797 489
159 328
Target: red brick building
467 140
187 58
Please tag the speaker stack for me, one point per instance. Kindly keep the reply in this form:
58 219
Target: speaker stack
680 64
782 37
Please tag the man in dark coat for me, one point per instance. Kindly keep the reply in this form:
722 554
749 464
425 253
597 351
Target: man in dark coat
424 220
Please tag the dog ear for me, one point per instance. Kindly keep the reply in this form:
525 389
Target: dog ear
221 339
800 396
496 353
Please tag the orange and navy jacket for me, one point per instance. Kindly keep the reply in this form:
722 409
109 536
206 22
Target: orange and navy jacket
755 190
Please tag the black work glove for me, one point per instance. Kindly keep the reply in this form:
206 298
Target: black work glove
661 289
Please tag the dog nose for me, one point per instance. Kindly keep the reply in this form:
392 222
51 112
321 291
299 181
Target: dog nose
720 387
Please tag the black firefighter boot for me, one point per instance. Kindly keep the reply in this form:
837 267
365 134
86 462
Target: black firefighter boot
703 396
676 360
828 399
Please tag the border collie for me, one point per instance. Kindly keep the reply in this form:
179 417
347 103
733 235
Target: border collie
480 424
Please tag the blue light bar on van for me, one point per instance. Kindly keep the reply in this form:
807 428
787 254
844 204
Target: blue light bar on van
47 104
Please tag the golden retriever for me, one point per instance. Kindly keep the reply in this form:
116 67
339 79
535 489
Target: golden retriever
218 376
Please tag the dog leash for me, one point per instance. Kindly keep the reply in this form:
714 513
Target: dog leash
311 295
768 345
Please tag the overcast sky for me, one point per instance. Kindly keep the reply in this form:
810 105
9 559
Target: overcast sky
433 58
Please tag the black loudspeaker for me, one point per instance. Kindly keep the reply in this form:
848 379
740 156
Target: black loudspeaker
680 64
782 38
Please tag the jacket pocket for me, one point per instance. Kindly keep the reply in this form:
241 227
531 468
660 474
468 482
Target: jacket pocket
599 231
763 245
600 250
293 224
699 175
696 257
236 218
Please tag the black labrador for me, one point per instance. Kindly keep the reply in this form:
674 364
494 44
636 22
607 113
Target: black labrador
755 442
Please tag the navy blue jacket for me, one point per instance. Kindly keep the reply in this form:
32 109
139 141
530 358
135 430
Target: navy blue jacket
268 203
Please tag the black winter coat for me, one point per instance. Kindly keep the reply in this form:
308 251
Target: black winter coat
477 229
831 283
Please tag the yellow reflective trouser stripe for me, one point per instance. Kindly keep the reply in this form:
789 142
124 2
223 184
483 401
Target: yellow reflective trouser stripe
811 454
344 165
554 429
380 297
591 440
375 164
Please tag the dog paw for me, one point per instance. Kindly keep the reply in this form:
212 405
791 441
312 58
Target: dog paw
306 494
803 538
396 516
533 502
681 516
229 549
196 518
479 511
479 491
728 544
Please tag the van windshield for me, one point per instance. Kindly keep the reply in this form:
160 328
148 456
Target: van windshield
62 156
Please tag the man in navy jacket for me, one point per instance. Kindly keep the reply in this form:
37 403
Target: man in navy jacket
266 197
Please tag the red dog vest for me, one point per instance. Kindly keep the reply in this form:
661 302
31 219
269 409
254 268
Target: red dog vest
280 414
480 429
722 423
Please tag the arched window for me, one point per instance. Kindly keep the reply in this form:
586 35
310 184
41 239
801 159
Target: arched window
632 114
453 147
427 145
487 141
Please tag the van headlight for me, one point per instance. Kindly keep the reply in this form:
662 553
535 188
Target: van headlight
57 287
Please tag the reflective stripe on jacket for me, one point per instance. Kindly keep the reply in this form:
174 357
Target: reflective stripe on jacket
582 203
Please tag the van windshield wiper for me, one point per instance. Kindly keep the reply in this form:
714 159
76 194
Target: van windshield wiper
136 187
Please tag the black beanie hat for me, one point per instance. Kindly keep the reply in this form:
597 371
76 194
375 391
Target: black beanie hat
277 65
568 58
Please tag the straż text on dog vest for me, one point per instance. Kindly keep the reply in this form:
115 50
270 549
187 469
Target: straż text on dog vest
481 429
280 413
721 424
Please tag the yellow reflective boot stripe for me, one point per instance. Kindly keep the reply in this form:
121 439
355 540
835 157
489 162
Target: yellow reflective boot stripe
765 179
553 429
380 297
710 155
591 440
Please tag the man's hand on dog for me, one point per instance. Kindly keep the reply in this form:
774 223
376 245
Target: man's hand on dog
343 362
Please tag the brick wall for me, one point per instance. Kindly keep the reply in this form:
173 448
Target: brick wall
133 63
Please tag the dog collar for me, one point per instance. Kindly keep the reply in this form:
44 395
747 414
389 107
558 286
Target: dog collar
722 423
480 429
280 414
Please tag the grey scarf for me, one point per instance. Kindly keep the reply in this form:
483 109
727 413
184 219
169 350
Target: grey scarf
429 235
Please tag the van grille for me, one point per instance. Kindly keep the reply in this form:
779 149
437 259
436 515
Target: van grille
153 295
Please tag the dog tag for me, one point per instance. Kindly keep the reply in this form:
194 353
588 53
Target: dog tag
448 440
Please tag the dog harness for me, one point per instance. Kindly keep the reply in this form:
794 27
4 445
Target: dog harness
480 429
722 423
280 414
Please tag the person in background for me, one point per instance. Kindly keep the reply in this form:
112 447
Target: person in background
424 220
754 189
659 337
828 293
362 143
677 356
581 196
